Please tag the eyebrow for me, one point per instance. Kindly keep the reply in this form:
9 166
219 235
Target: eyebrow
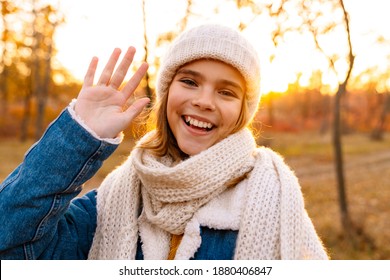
189 72
199 75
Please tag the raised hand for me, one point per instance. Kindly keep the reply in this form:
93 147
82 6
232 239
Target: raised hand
102 107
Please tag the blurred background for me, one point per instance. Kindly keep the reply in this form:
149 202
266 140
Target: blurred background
325 84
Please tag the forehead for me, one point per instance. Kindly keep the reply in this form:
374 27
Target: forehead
213 69
209 62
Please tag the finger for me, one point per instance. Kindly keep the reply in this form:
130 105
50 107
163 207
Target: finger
122 69
133 83
109 68
136 108
90 75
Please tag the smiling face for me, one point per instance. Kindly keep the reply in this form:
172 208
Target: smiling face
204 104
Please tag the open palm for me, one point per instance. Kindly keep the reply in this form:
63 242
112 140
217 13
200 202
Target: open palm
102 106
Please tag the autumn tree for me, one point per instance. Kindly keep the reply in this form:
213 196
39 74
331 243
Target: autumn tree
341 91
45 22
317 21
318 27
7 9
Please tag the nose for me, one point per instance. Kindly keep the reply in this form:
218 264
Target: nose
205 99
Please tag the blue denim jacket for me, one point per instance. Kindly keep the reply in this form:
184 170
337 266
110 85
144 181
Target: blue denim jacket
41 218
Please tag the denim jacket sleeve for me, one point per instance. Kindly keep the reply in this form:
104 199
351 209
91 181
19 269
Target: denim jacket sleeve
40 219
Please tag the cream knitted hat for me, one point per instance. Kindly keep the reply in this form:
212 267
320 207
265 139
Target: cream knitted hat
214 42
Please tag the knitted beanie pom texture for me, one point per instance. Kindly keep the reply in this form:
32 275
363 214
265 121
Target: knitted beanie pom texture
217 42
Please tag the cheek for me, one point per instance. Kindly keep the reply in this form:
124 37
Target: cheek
169 112
174 97
173 107
233 115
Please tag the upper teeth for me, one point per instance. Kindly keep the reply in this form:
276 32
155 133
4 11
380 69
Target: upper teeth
198 123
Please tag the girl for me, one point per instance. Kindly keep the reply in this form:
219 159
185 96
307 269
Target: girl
196 187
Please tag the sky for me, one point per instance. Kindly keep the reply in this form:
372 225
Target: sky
96 27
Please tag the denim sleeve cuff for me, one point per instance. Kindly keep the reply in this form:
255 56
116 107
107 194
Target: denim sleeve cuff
113 141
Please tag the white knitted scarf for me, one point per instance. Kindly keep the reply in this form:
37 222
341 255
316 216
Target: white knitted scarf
154 198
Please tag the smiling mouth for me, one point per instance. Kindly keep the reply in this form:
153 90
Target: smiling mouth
194 123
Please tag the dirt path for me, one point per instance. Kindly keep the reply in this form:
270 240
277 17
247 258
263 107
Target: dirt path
307 168
367 179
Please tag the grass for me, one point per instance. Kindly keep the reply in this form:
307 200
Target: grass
11 153
310 155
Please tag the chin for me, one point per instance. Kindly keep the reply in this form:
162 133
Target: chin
192 151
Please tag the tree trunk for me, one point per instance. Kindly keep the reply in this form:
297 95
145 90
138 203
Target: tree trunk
4 77
4 91
42 93
339 163
26 114
36 87
338 153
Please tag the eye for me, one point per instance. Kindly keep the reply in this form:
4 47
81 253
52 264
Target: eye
227 93
189 82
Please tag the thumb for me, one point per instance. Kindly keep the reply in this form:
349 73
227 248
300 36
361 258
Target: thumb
136 108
